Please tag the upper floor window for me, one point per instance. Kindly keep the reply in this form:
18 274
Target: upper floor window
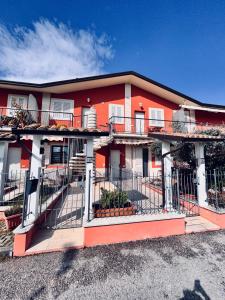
16 101
156 117
116 113
62 108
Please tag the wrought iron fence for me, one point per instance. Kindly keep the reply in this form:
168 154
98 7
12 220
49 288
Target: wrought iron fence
126 193
51 181
12 188
62 200
215 186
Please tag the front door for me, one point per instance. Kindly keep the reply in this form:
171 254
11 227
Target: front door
145 162
139 122
85 111
115 163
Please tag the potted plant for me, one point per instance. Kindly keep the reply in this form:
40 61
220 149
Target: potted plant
113 204
13 216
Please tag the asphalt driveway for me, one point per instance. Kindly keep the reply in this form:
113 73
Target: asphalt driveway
184 267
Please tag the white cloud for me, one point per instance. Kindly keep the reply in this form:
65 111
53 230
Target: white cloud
50 52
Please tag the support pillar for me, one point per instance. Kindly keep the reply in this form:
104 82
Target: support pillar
167 175
35 169
89 181
201 178
3 164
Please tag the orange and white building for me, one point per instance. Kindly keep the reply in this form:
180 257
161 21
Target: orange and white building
129 102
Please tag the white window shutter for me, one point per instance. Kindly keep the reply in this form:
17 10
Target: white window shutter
156 117
119 114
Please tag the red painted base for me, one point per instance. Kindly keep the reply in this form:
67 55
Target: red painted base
212 216
110 234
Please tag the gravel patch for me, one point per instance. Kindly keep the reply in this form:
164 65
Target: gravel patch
184 267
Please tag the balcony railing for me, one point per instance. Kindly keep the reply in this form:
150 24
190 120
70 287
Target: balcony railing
19 117
143 126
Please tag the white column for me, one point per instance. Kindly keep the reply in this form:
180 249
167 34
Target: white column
89 181
46 99
167 175
201 178
127 111
35 167
3 164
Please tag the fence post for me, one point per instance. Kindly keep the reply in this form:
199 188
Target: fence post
201 178
25 199
3 161
88 181
216 190
178 190
167 176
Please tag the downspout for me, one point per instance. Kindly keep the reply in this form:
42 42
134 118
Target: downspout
162 163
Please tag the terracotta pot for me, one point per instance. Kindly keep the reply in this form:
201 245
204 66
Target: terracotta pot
13 221
114 212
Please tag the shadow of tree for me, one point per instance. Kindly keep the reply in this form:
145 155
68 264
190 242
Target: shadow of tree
198 292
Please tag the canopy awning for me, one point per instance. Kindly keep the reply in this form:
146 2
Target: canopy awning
136 142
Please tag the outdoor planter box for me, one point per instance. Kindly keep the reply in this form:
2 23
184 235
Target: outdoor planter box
114 212
13 221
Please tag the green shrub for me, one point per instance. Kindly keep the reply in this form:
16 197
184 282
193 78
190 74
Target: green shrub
114 199
14 210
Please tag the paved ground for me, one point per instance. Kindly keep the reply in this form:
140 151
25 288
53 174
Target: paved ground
185 267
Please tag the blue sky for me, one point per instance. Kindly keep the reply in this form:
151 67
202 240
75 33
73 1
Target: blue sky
178 43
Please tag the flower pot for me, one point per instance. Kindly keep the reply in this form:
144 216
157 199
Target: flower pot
114 212
13 221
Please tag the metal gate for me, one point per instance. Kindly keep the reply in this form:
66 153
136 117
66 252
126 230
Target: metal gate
184 192
62 199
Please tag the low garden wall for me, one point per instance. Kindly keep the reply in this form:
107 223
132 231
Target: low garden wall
124 229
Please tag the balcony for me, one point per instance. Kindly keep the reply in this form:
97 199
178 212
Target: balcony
155 128
24 121
18 117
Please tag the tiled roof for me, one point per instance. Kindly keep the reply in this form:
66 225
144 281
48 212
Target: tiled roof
38 129
186 136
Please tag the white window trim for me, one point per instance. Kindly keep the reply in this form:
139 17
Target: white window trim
120 120
60 115
151 122
8 112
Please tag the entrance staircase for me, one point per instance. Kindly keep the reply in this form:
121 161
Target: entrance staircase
77 163
102 142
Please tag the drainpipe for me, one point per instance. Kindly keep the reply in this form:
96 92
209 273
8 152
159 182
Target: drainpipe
162 163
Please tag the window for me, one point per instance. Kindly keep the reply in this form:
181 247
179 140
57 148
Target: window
62 108
16 101
116 112
59 154
156 116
